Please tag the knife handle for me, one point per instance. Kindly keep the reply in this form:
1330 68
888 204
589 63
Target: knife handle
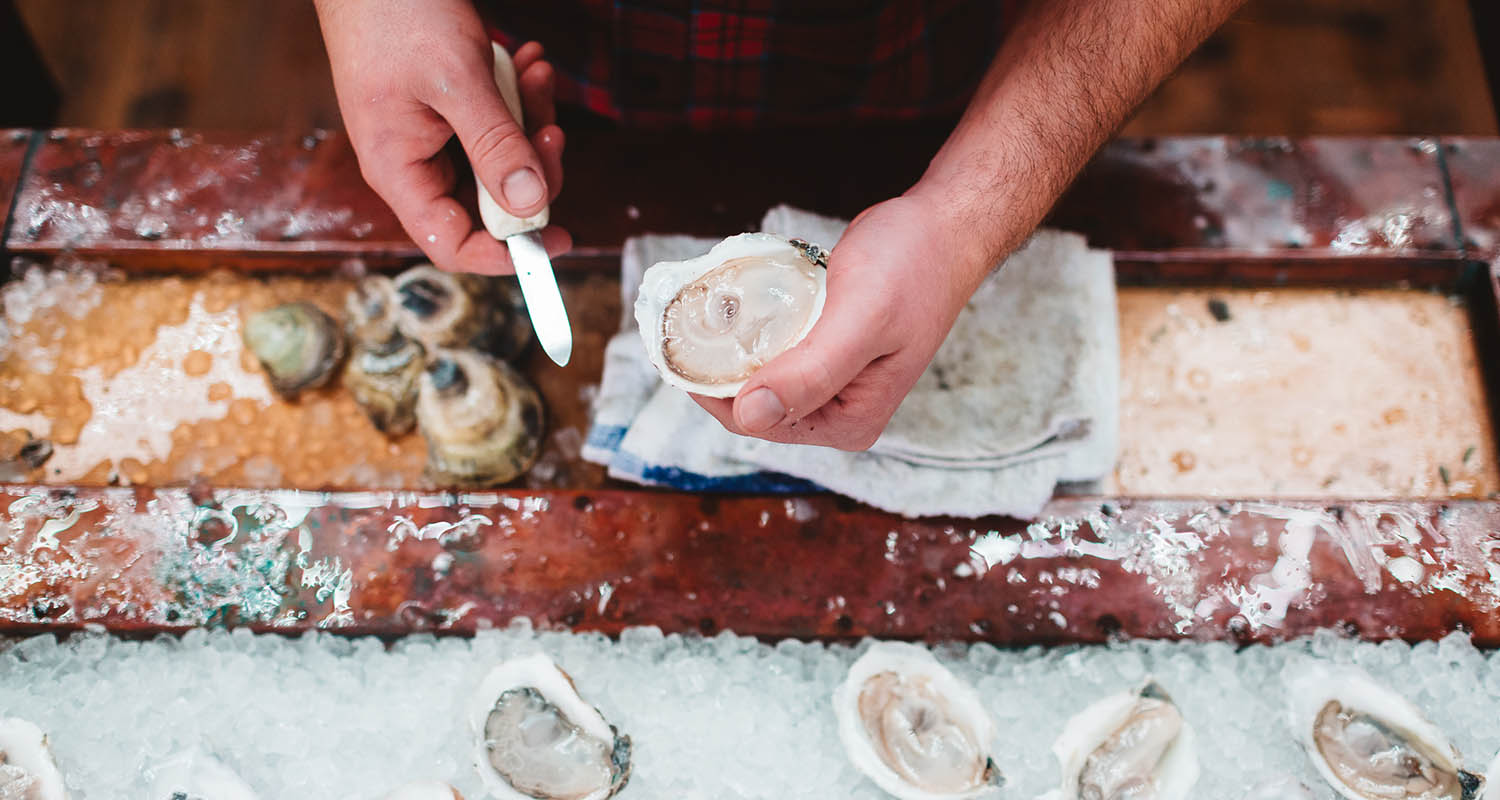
499 222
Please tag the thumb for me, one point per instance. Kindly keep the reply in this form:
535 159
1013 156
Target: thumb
804 378
501 154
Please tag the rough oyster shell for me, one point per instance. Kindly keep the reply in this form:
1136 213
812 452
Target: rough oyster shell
568 749
298 345
710 322
444 309
26 766
1127 740
195 775
482 420
1350 726
384 365
424 790
914 728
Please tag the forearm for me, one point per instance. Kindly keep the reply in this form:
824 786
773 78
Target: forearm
1067 76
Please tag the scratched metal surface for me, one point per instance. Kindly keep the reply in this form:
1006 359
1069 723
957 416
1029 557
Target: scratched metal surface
189 200
150 560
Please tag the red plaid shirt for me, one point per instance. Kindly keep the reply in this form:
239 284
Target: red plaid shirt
720 63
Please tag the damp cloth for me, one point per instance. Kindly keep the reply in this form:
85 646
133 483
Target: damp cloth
1022 395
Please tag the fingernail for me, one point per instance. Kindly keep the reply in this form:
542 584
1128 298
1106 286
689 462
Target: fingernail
522 188
760 410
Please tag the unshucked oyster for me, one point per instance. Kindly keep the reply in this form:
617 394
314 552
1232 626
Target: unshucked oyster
445 309
384 365
710 322
1370 743
482 420
1132 744
538 740
298 345
27 771
914 728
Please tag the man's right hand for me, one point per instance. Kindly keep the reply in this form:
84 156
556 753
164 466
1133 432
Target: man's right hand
411 74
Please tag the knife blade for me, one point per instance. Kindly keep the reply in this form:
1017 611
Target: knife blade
544 304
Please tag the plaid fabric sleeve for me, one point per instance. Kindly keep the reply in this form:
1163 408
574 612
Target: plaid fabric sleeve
736 63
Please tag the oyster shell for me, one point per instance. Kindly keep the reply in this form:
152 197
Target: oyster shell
536 739
710 322
27 771
298 345
482 420
1132 744
195 775
444 309
424 790
384 365
914 728
1370 743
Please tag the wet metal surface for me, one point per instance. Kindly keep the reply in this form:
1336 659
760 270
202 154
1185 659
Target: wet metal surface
148 560
1474 169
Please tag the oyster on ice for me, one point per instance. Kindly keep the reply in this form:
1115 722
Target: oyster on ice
1370 743
1132 744
424 790
538 740
482 420
27 771
298 345
384 365
712 321
445 309
195 775
914 728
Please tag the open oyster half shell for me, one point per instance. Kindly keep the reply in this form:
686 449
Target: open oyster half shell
914 728
27 770
1129 744
710 322
1370 743
537 739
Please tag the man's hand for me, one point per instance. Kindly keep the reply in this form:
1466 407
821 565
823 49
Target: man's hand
896 282
410 75
1068 74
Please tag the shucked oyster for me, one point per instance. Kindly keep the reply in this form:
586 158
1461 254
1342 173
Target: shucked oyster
712 321
444 309
482 420
914 728
538 740
195 775
27 771
1370 743
384 365
1133 744
298 345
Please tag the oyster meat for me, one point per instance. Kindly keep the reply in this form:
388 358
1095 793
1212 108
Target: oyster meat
195 775
482 420
1370 743
424 790
710 322
384 365
445 309
914 728
1133 744
538 740
27 771
298 345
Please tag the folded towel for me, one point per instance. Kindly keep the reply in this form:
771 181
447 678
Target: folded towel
1023 394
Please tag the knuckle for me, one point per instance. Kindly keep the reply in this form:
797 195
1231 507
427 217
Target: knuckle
500 142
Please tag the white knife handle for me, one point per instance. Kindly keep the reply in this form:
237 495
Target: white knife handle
499 222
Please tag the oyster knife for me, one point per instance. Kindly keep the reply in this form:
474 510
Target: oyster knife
523 237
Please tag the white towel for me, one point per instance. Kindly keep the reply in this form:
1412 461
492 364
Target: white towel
1022 394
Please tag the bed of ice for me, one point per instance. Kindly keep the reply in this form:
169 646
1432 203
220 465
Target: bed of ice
721 717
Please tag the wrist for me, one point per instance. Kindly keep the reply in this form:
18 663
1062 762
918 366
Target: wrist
975 231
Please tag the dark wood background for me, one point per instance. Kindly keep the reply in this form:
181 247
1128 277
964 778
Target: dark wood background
1280 67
